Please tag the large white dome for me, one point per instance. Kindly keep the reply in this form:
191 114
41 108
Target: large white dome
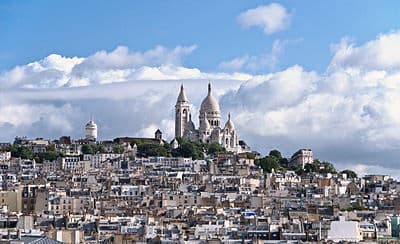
210 103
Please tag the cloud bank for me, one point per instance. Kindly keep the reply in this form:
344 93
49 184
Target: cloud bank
347 114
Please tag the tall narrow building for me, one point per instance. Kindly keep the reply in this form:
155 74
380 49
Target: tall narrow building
182 113
91 131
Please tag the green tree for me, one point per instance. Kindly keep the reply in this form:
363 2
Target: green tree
151 150
350 174
87 149
283 162
275 153
118 149
23 152
189 150
100 148
268 163
48 155
214 148
327 167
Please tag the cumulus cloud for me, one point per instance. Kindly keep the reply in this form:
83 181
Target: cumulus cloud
264 62
119 65
347 114
380 53
271 18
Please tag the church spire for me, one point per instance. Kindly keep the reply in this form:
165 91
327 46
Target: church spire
182 96
209 87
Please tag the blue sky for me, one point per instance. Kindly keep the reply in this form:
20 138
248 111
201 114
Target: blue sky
293 74
31 30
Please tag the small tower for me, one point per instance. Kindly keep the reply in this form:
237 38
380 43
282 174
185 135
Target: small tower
91 130
182 111
158 135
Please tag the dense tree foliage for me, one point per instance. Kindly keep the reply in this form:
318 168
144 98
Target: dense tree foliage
275 153
151 150
186 149
118 149
189 150
23 152
320 167
93 148
48 155
214 148
350 174
274 160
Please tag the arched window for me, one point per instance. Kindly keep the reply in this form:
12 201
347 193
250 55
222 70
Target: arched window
227 141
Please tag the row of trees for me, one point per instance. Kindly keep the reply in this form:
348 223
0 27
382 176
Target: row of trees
186 149
98 148
25 152
275 161
195 150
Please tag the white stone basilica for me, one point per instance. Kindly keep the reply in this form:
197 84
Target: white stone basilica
210 129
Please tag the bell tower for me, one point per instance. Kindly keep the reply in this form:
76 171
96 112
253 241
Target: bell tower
182 113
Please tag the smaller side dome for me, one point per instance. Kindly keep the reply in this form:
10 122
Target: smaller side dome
229 124
205 125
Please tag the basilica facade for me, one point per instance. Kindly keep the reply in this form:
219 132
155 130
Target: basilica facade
210 127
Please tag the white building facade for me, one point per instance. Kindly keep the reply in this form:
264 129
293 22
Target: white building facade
210 127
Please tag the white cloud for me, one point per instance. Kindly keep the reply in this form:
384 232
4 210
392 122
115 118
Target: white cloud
265 62
43 117
380 53
166 126
119 65
271 18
